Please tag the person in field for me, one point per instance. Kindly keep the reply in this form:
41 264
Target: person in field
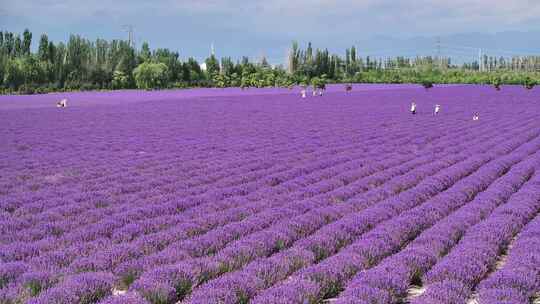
437 109
62 103
476 116
413 108
303 92
321 88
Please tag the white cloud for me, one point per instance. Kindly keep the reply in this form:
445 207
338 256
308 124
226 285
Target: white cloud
295 17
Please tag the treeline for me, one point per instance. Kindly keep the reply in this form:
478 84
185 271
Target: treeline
81 64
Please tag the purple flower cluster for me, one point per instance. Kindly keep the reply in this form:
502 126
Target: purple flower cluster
84 288
389 236
231 196
519 278
330 238
479 249
310 244
395 274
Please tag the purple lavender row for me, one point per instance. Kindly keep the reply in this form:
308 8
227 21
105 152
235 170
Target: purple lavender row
366 198
108 178
157 293
259 162
327 278
204 201
237 213
83 288
179 230
123 251
388 282
372 171
325 241
124 219
107 182
453 279
120 249
298 207
518 280
293 252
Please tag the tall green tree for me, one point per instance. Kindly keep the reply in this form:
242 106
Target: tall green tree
17 48
192 72
43 50
294 58
32 70
151 75
27 41
212 65
145 53
13 74
9 44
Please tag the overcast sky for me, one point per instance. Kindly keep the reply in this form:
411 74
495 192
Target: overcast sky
256 28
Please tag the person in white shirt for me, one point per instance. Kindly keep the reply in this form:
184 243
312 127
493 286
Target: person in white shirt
62 103
476 116
437 109
303 92
413 108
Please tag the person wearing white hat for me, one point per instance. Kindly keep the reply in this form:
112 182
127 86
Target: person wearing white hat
437 109
62 103
413 108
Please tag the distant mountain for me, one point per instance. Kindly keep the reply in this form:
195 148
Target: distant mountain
460 47
456 45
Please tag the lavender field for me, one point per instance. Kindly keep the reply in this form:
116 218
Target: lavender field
259 196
